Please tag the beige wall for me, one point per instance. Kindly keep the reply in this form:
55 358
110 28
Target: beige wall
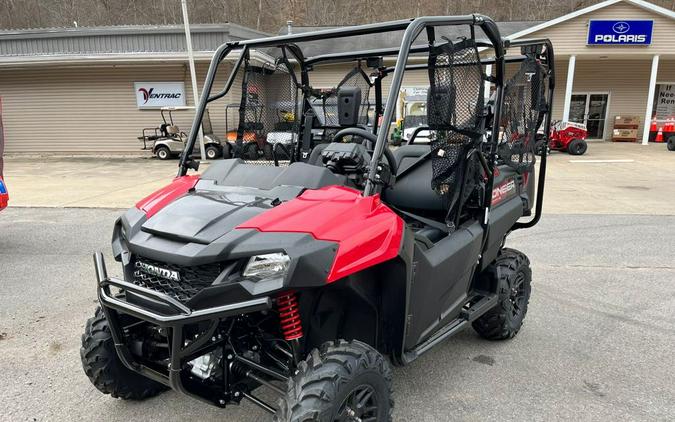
569 38
93 108
627 82
89 109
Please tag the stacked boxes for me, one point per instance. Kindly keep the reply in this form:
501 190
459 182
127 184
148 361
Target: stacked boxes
625 128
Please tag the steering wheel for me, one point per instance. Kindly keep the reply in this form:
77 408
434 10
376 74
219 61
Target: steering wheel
356 131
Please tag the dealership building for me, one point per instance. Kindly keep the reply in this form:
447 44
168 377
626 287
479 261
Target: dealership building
94 89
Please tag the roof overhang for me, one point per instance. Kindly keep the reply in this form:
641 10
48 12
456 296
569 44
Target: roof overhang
120 59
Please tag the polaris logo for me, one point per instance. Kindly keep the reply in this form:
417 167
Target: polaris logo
164 273
621 39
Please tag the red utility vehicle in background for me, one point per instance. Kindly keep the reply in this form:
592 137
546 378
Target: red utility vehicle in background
568 136
4 196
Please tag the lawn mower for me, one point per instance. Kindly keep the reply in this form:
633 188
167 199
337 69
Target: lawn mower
568 136
311 279
248 140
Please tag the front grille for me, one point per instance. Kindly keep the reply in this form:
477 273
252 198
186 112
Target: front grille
191 280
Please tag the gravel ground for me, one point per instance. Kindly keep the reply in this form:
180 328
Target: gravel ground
597 343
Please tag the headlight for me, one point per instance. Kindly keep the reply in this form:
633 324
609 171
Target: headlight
268 265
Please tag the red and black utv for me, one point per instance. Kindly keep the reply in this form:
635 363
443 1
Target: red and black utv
310 279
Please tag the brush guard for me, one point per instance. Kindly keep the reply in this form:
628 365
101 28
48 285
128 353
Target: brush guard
175 323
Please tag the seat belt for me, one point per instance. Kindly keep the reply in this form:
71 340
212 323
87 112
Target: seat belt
306 146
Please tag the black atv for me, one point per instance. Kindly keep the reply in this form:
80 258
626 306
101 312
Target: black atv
310 279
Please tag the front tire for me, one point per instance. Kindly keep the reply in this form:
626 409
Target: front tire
513 277
105 369
339 381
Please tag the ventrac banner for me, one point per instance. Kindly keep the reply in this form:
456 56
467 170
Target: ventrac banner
159 94
611 32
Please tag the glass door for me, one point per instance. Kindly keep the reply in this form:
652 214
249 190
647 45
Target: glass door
578 108
596 115
590 108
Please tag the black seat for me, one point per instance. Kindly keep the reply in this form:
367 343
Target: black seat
412 191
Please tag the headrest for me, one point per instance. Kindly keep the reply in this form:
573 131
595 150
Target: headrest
349 103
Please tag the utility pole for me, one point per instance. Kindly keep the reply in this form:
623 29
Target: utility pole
193 76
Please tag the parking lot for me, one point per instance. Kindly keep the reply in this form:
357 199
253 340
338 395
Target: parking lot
597 342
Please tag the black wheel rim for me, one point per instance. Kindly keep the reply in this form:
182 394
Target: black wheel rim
517 295
360 405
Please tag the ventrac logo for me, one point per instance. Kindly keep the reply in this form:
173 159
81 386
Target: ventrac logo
149 94
500 192
164 273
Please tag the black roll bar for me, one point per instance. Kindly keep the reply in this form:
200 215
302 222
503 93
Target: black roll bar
550 65
412 28
412 31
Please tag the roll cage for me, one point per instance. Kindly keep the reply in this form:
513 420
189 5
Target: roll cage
537 49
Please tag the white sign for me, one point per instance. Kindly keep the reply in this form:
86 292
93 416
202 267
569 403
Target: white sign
159 94
665 101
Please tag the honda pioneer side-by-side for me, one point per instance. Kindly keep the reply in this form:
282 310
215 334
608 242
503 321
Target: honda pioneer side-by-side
310 279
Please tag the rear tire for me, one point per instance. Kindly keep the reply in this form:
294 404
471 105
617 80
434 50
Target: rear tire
104 367
339 379
267 151
513 277
163 153
227 151
671 143
250 151
577 147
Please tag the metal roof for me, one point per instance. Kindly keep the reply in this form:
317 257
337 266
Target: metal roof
391 39
111 41
147 43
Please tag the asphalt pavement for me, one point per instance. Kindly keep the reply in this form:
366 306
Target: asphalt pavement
597 343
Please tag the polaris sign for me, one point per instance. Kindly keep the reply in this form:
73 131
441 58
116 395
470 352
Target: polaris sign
159 94
609 32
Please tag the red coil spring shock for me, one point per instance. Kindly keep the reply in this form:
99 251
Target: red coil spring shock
289 316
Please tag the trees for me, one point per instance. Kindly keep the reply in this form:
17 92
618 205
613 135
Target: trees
269 15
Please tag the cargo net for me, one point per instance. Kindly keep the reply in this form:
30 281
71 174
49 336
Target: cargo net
522 113
325 101
268 113
454 110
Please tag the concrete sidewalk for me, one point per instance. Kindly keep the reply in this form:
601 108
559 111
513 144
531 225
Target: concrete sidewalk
612 178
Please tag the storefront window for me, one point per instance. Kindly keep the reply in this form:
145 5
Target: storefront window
664 102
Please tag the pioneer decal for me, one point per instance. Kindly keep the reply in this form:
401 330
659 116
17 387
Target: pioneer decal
503 190
159 94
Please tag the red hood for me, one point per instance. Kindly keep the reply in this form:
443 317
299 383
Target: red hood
366 230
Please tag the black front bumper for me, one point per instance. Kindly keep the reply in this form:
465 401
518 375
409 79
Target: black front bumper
174 322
